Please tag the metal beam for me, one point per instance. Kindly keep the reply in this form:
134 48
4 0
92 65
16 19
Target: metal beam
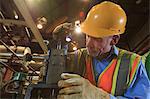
12 22
25 13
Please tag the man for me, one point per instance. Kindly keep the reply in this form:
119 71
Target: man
109 72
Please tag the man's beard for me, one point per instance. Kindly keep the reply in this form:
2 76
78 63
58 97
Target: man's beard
94 53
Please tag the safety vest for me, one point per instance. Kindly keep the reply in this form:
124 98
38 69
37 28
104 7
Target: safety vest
116 78
118 75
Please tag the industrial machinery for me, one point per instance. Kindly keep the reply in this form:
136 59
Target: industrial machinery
23 81
25 72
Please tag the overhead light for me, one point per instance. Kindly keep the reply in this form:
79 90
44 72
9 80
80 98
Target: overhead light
46 42
81 14
74 48
77 26
16 16
77 23
78 30
68 39
41 21
39 26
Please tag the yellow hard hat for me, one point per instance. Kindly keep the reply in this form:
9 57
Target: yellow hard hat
104 19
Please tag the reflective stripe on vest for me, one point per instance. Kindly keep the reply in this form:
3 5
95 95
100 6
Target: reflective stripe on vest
108 79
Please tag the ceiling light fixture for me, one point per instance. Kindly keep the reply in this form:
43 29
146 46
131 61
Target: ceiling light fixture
74 48
41 22
68 39
16 16
77 26
39 26
78 30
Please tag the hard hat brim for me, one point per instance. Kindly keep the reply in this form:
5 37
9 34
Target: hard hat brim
99 32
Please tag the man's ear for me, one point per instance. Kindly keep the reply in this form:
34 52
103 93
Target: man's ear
115 39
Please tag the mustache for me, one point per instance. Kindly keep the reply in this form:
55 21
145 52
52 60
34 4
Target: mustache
94 52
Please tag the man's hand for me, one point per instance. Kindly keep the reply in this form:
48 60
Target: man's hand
64 26
57 33
76 87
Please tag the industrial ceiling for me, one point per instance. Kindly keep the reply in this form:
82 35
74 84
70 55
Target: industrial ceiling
19 31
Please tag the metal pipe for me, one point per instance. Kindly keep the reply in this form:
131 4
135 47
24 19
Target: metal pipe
26 50
9 48
21 52
18 49
35 57
25 13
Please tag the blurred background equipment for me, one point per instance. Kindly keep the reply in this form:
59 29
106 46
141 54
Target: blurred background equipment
41 22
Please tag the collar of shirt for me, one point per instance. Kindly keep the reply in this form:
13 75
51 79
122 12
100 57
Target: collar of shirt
100 65
114 52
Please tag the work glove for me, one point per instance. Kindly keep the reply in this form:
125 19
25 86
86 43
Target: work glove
61 30
62 26
74 86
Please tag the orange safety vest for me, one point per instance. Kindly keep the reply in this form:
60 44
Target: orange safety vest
108 79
